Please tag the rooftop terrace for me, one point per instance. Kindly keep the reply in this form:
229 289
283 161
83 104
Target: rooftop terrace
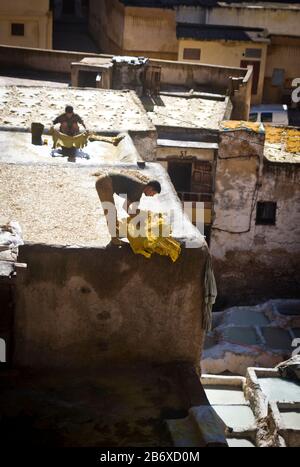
56 202
188 111
102 110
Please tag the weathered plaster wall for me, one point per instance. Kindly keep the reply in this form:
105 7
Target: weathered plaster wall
283 53
83 307
276 19
254 262
133 31
106 25
57 61
187 74
150 32
145 143
190 14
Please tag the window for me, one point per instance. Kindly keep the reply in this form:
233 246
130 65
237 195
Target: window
278 77
191 54
253 53
266 117
253 117
266 213
17 29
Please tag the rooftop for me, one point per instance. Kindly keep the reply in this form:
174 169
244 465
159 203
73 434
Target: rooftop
49 196
212 3
102 110
190 112
282 144
212 32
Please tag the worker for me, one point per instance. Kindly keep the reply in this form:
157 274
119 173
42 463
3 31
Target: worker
125 185
69 122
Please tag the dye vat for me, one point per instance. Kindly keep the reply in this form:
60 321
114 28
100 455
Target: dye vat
277 389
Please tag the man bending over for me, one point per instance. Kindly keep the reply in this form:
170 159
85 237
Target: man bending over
121 184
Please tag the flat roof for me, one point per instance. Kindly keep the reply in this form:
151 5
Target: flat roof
266 4
282 144
211 3
101 110
56 203
16 147
189 112
209 32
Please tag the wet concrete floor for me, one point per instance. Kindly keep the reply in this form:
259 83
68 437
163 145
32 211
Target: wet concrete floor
104 407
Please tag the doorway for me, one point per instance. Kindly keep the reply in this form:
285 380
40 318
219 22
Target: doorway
180 174
68 7
256 71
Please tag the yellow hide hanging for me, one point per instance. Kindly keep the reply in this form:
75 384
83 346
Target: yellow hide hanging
66 141
154 236
81 140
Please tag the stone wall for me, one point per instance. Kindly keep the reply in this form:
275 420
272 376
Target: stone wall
83 307
254 262
106 25
39 59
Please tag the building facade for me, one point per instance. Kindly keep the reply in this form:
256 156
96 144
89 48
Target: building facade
150 29
119 27
255 230
226 46
26 23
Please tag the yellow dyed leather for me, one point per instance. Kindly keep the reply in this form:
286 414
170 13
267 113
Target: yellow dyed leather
153 241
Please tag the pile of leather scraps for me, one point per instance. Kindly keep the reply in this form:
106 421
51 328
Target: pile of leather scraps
10 240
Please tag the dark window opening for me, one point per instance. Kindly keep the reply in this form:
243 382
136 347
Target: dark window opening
253 117
191 54
17 29
253 53
278 77
266 117
266 213
180 174
68 7
87 79
256 71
